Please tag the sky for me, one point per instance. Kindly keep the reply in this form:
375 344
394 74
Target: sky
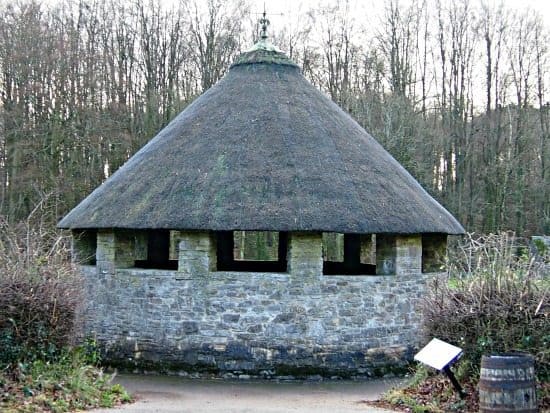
368 8
368 13
373 7
542 6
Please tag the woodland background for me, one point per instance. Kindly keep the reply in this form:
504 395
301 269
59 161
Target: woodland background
457 91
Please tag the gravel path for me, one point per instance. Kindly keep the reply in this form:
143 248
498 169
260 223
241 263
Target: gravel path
168 394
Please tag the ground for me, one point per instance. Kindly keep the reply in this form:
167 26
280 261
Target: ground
174 394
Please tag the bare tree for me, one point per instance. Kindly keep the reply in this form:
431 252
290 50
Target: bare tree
456 91
215 37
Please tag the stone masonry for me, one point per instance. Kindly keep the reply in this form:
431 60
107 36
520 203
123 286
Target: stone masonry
297 323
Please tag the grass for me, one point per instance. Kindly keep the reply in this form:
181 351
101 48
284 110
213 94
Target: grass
67 384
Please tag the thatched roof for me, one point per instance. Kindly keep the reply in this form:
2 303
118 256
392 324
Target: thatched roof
263 150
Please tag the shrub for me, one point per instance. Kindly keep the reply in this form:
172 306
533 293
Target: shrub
39 293
40 368
495 299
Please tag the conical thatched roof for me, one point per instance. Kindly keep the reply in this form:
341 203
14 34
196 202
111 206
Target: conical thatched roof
263 150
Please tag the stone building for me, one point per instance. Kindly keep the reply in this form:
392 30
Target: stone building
262 150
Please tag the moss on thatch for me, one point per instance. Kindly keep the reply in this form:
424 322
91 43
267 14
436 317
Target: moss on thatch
263 150
262 55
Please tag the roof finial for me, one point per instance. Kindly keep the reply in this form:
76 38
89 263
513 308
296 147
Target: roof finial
263 43
264 22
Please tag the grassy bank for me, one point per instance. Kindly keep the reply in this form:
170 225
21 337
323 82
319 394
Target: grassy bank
70 382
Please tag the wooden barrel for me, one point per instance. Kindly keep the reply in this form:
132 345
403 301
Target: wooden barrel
507 384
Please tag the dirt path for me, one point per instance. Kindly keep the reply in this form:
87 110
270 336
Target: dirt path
173 394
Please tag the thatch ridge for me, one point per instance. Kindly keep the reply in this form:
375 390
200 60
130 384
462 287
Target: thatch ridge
263 150
263 56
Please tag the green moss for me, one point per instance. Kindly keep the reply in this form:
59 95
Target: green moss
163 367
297 371
264 56
541 246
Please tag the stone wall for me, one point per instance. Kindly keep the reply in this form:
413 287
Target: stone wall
298 323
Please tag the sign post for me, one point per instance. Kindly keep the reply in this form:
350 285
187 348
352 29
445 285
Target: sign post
440 355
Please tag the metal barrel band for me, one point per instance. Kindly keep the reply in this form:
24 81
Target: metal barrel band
500 409
505 386
506 363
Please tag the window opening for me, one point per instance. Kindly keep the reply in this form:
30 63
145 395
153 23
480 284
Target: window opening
158 251
434 252
84 247
333 247
255 245
251 251
348 254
